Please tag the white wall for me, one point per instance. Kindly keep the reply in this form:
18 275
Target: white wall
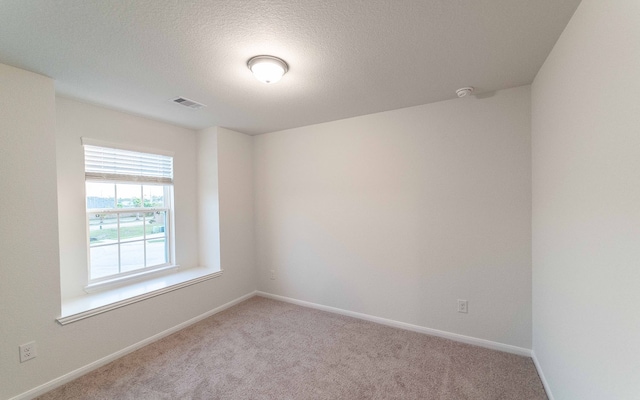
225 185
401 213
29 280
235 183
586 205
208 202
29 274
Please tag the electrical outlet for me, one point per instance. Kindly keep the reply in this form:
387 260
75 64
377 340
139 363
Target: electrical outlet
272 274
28 351
463 306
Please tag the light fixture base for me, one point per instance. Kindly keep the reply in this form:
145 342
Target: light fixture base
267 69
465 91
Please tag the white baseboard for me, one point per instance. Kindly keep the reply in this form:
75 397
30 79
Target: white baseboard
37 391
541 374
409 327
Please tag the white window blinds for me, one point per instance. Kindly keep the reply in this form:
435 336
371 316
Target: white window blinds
105 163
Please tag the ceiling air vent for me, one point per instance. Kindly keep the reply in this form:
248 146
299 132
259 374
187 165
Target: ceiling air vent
194 105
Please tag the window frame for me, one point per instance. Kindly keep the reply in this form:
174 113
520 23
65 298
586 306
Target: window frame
142 180
169 237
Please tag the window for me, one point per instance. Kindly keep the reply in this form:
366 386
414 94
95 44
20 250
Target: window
129 211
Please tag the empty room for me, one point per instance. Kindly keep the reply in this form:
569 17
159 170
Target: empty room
320 199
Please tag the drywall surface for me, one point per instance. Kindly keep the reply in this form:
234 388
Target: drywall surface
235 182
225 187
586 206
28 224
30 284
208 199
401 213
76 120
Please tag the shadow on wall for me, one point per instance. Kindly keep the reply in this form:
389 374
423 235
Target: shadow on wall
485 95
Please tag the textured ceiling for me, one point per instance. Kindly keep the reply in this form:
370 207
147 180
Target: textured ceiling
346 57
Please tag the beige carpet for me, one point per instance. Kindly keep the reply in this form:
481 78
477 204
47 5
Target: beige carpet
266 349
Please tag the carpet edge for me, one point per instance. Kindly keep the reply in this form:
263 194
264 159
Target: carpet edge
545 384
68 377
521 351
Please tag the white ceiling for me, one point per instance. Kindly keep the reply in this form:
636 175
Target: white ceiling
346 57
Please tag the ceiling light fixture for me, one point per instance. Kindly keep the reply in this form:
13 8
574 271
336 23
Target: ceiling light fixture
267 69
465 91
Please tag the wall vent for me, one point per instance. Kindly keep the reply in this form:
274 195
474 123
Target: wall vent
194 105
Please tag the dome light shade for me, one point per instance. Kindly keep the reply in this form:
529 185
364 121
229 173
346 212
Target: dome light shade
267 69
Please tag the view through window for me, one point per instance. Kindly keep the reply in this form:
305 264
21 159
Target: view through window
127 227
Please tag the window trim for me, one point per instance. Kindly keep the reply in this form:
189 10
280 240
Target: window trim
114 282
124 278
127 147
91 304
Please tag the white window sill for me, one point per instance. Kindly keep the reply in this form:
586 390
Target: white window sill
129 279
91 304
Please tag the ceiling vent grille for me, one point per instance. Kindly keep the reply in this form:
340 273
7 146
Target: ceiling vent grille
194 105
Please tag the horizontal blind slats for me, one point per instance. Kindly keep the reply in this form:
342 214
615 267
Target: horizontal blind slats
102 163
133 169
127 178
93 155
125 157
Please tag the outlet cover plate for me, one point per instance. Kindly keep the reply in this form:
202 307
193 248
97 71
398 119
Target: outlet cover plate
463 306
28 351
